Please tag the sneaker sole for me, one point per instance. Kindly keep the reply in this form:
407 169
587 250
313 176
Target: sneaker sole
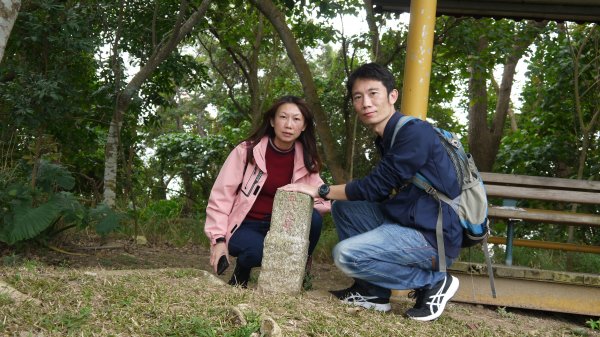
449 294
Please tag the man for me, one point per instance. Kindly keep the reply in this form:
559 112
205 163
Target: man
386 226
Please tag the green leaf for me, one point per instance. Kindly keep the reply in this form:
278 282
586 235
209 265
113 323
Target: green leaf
106 219
30 222
53 175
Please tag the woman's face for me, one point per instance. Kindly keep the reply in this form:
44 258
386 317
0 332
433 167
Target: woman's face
288 123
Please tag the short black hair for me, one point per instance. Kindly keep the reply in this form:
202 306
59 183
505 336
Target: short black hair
372 71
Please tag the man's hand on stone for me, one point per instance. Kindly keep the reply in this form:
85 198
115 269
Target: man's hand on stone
302 188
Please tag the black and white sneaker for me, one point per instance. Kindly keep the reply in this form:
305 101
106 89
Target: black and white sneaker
431 302
356 295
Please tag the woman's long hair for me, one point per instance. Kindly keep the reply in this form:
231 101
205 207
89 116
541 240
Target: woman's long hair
312 161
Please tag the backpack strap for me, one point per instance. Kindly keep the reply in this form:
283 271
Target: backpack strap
488 261
423 184
403 120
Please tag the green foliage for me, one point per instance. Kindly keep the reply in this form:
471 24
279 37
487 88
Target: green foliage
327 241
161 210
49 89
593 324
549 141
186 154
42 211
27 221
162 221
104 218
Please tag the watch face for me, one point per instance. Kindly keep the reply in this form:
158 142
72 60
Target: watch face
323 190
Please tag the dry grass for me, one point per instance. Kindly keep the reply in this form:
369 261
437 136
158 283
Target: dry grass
191 302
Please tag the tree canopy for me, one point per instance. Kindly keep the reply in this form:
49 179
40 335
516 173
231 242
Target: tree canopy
134 102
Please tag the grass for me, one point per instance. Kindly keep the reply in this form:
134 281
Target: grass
187 302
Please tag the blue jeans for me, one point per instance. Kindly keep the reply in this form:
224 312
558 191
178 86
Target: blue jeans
248 241
380 254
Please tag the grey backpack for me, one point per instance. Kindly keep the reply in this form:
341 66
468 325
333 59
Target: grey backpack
470 205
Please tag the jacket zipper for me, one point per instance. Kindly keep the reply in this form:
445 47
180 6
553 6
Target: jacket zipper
258 176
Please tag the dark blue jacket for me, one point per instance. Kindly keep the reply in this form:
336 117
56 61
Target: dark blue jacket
417 148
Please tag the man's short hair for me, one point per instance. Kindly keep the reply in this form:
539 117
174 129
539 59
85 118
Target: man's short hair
372 71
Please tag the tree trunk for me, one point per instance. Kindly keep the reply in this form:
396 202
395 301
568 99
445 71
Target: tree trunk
253 84
9 9
478 130
161 52
586 130
110 159
513 119
200 119
274 15
376 48
484 141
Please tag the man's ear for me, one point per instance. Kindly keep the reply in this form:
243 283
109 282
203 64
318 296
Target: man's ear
393 96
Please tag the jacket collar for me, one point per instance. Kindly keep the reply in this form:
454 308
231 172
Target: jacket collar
383 143
261 149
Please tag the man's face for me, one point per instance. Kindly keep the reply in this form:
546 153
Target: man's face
373 104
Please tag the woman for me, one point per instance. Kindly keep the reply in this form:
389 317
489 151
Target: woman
282 150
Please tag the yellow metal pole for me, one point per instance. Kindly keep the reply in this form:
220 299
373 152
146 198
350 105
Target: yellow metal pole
417 68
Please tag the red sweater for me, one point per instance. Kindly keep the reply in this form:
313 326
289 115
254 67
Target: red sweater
280 167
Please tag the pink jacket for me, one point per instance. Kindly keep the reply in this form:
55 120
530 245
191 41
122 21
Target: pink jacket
227 209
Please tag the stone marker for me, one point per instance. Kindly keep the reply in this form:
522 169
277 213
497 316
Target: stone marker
286 244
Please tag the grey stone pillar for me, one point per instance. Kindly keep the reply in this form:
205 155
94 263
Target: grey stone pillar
286 244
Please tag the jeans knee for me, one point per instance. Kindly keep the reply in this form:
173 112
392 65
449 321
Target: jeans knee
341 254
250 258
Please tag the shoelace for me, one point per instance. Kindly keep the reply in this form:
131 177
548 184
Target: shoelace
414 294
417 295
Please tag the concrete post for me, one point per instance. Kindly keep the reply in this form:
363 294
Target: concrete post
286 244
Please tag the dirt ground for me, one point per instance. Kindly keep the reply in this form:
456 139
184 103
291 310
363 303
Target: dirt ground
124 255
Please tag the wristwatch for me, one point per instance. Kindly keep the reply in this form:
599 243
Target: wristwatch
323 191
220 240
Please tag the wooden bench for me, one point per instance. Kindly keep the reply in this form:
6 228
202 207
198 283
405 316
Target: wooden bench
563 192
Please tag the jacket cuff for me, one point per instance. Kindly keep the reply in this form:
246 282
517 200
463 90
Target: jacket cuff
352 192
217 239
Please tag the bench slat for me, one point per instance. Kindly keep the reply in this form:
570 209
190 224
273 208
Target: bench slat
539 215
547 245
543 182
542 194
